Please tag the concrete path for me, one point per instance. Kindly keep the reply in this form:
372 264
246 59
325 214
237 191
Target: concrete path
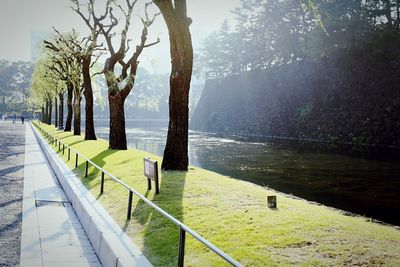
51 232
12 146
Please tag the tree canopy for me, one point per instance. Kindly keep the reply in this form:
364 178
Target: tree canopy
15 78
268 33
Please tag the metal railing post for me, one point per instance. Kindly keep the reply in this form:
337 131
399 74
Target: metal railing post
87 167
102 183
63 148
148 184
69 153
76 160
129 205
181 248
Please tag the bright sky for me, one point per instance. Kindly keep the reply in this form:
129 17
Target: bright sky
19 18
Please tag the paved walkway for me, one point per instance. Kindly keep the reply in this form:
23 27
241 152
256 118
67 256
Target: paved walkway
12 139
51 232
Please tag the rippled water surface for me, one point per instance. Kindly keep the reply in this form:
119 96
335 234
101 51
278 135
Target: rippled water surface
365 182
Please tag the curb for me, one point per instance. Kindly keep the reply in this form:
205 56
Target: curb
112 246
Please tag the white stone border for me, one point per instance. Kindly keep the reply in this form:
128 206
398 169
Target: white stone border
112 246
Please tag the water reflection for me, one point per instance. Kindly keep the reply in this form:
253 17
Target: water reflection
363 181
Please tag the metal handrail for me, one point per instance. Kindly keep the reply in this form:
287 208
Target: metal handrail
182 227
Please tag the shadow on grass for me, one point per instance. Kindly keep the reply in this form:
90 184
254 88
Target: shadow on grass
77 142
57 132
65 137
58 147
94 173
161 236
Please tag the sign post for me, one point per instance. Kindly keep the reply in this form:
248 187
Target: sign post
272 202
151 172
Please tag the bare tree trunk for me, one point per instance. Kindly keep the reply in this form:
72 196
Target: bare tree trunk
43 118
77 114
61 111
117 139
50 111
176 149
68 122
46 112
88 94
56 112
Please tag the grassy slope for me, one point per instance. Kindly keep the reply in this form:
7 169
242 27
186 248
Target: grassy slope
232 214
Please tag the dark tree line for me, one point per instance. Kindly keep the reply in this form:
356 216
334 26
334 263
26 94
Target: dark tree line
274 32
15 78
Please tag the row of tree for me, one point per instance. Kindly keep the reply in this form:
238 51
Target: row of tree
275 32
65 67
60 70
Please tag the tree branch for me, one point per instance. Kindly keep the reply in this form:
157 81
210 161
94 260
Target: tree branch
133 61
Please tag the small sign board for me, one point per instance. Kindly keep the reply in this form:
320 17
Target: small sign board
271 202
151 172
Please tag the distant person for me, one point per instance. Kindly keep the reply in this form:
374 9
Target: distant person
22 119
14 117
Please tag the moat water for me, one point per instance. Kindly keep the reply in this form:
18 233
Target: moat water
359 180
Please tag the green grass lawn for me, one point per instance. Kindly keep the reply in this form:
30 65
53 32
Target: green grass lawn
230 213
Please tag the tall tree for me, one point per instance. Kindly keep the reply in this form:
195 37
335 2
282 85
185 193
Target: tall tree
43 88
119 86
61 92
78 88
56 118
68 120
60 66
176 149
87 51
